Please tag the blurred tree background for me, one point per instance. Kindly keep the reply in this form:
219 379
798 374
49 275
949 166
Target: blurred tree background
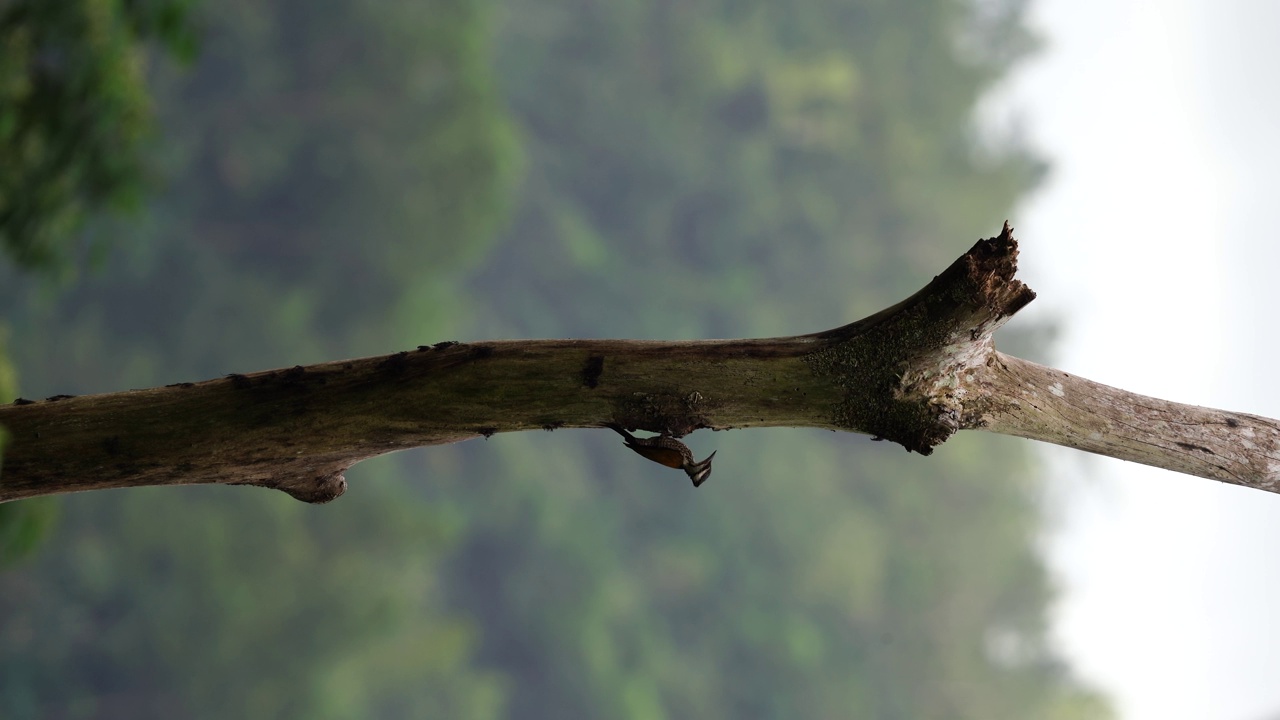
336 178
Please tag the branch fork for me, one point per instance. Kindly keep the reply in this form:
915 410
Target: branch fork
914 373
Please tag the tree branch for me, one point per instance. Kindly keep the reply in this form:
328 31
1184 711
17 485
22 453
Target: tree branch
1032 401
914 373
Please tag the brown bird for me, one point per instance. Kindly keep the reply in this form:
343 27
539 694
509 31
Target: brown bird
666 450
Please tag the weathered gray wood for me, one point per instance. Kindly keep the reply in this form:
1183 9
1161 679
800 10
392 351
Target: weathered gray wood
913 373
1032 401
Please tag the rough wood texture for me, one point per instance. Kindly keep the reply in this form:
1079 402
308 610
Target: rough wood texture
1028 400
914 373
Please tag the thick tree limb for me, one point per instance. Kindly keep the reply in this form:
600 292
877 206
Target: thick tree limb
914 373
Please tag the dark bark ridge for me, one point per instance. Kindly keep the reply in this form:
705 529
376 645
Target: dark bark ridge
901 370
914 373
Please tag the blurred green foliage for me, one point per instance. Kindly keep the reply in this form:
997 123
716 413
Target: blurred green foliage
349 178
74 113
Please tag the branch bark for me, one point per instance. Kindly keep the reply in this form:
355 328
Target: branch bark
914 373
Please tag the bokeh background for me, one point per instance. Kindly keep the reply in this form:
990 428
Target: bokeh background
254 185
1154 245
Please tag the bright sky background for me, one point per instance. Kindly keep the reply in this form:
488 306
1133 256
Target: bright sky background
1157 242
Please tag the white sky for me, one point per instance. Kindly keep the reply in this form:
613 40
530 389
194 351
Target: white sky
1156 242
